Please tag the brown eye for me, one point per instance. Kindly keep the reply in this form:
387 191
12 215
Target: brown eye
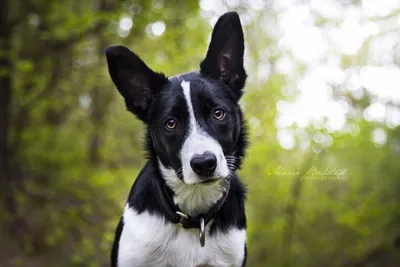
219 114
170 124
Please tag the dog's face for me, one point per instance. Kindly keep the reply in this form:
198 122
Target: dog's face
194 119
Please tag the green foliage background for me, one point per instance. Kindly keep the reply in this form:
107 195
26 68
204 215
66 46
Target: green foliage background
72 150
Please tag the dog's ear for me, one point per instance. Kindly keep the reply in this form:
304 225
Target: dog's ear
224 59
135 81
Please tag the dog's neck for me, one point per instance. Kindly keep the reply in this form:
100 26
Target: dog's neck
192 199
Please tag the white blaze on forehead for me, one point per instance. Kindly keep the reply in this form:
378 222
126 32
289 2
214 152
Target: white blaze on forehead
198 141
186 91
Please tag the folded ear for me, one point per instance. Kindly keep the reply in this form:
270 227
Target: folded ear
134 80
224 58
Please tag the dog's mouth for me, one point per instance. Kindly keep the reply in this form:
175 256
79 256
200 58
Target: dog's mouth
209 181
202 180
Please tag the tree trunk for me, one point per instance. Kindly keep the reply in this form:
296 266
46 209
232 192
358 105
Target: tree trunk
291 210
6 68
5 90
99 95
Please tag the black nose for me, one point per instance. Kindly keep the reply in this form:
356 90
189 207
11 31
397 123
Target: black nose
204 164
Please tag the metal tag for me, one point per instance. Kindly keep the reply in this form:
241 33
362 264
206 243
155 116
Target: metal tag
202 233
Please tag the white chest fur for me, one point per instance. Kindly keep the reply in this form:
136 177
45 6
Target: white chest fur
147 240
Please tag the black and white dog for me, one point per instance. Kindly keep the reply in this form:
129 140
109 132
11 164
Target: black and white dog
186 207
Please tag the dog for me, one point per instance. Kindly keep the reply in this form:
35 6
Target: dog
186 207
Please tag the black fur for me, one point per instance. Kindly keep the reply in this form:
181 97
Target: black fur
134 80
224 58
114 251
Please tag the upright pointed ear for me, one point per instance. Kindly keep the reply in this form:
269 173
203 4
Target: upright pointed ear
136 82
224 58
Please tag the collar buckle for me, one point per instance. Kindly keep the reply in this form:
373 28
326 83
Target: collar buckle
182 216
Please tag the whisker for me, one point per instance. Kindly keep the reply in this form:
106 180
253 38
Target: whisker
232 162
233 167
179 173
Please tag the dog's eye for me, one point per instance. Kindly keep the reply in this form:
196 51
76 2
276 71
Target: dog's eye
218 114
170 124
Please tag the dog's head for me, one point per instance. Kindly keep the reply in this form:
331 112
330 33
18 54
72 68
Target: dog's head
194 120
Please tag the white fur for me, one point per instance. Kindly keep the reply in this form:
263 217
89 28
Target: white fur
148 240
192 199
198 142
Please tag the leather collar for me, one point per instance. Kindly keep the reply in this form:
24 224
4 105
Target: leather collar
176 216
